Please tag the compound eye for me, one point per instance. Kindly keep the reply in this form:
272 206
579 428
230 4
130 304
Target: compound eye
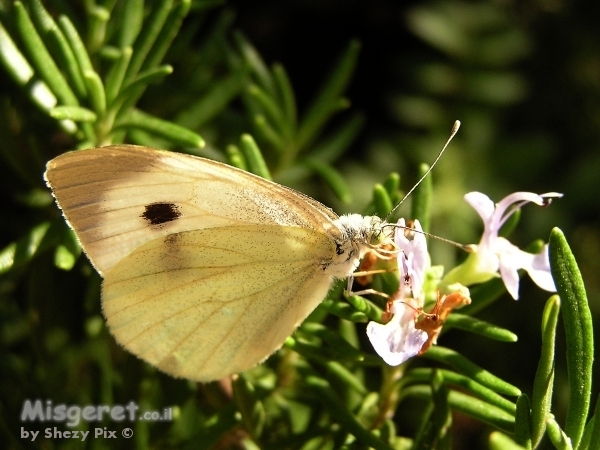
376 237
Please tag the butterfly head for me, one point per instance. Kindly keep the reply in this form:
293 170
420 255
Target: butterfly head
367 232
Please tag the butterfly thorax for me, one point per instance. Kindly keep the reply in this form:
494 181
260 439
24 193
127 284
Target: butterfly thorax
358 235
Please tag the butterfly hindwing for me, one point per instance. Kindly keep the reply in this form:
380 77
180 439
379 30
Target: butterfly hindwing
207 303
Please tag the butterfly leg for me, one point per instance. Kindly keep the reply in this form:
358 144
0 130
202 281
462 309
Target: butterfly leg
348 291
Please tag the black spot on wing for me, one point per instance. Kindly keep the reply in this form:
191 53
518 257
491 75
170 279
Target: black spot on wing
161 213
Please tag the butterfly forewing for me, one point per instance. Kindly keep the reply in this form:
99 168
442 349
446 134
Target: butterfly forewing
117 198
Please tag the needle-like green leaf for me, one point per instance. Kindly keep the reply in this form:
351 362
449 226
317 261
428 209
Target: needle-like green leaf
579 332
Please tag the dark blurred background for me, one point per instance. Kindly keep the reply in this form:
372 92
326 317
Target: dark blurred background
524 79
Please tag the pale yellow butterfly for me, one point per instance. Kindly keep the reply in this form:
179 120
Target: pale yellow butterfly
207 269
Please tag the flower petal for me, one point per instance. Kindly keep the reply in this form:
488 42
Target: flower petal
509 257
413 258
538 268
521 198
510 275
398 340
482 204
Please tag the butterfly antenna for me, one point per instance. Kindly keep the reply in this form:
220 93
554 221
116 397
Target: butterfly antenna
455 128
469 248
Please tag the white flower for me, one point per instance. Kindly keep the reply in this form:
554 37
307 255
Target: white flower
398 340
413 259
496 254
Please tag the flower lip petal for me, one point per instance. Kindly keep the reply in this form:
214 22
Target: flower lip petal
509 270
398 340
538 268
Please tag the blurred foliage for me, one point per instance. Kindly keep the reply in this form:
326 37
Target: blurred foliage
331 98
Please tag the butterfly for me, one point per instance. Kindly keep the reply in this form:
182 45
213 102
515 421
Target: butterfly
207 268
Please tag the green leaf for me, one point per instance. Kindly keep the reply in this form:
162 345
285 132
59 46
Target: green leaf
340 374
468 405
208 106
74 113
41 59
328 100
151 29
22 73
500 441
544 377
436 422
131 21
337 142
63 258
98 17
523 422
251 408
167 34
484 295
236 157
392 186
268 133
215 427
422 197
254 158
342 415
159 127
334 179
268 108
463 365
591 435
309 350
468 323
340 349
59 45
130 94
288 100
18 253
372 311
343 310
114 80
76 43
557 436
324 347
381 200
388 432
421 375
349 333
255 63
14 61
68 251
579 333
96 89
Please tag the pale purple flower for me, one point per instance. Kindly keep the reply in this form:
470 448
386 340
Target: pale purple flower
413 259
496 254
397 340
